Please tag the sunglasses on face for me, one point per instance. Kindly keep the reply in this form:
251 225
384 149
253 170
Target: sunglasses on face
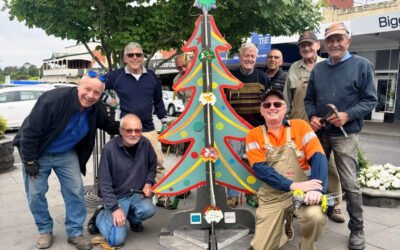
94 74
131 55
268 105
130 131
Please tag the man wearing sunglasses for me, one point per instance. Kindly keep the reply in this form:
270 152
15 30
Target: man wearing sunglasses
139 91
59 135
346 81
127 172
286 155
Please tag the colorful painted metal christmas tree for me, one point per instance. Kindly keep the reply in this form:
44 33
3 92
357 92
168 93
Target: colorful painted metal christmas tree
208 121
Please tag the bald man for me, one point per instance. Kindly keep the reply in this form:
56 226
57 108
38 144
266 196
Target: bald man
59 135
127 171
275 75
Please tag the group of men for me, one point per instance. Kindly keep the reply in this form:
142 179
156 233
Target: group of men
286 155
59 135
290 155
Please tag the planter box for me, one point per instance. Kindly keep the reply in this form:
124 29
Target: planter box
381 198
6 154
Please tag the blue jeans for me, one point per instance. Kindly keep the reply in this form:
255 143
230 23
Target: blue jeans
136 208
239 148
345 151
66 167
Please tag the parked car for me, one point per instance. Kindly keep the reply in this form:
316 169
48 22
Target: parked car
173 104
17 102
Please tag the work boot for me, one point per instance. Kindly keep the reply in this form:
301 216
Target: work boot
137 227
92 228
232 201
80 242
357 240
44 241
289 226
336 215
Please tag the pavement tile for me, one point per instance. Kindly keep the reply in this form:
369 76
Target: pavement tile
386 239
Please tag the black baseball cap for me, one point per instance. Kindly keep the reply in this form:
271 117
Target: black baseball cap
272 92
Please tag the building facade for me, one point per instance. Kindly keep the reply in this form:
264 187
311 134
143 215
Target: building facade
70 65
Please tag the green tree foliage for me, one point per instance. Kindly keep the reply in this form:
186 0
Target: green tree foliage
26 72
164 24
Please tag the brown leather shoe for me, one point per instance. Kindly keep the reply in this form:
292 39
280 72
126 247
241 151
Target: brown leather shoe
232 201
336 215
289 226
80 242
44 241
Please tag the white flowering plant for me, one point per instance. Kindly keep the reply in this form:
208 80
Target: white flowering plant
382 177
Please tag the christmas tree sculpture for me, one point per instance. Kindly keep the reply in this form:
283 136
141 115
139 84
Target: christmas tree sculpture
208 122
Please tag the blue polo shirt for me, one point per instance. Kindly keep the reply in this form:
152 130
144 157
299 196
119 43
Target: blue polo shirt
76 129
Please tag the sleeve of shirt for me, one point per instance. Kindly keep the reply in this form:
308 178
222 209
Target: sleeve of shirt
109 81
110 200
367 96
287 94
34 128
105 122
315 155
152 169
309 100
257 159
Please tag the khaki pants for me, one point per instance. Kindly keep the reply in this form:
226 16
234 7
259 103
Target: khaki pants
153 138
334 185
270 219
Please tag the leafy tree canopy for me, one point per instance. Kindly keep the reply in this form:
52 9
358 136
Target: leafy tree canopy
164 24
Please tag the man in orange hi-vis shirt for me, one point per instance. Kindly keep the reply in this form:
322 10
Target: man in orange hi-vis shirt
286 155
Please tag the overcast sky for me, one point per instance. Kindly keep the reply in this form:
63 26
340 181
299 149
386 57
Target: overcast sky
19 44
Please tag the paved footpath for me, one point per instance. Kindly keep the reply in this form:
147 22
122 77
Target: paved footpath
18 231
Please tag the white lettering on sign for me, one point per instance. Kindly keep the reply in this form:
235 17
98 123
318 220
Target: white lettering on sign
264 40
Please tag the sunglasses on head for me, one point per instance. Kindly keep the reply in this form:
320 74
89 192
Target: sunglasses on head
94 74
130 131
131 55
268 105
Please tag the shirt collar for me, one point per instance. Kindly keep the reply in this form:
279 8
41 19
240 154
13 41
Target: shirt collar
346 57
246 73
121 145
285 123
144 70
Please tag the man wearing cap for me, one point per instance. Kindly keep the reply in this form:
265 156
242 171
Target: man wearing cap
346 81
295 91
286 155
59 135
275 74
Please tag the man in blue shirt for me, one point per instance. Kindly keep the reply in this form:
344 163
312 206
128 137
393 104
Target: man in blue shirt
346 81
59 135
127 172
